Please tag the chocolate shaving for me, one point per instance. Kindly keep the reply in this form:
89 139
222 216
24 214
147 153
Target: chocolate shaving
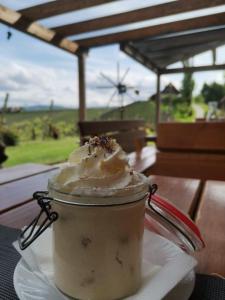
131 269
89 149
118 259
85 241
87 281
124 240
102 141
90 279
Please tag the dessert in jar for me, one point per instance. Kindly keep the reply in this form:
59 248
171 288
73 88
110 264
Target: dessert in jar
100 202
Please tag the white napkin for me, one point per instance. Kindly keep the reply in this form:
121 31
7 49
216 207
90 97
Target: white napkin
164 265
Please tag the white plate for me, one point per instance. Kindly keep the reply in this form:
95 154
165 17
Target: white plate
32 285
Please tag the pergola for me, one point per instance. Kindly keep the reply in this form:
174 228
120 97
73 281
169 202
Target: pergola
156 47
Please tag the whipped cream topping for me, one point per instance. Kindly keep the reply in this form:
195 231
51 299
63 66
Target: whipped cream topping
100 166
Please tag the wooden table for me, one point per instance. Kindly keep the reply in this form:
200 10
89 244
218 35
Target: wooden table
17 209
17 185
210 219
182 192
143 160
22 171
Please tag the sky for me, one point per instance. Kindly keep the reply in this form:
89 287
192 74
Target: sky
34 73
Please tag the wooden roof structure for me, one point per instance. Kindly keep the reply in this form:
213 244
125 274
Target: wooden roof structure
27 21
154 46
162 51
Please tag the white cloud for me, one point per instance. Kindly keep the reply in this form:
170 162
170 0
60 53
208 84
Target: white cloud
31 84
34 73
38 82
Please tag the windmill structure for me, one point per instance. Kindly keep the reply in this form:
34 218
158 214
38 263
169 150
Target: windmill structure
120 89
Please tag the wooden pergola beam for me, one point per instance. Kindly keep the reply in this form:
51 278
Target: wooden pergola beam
133 52
169 49
18 21
58 7
147 13
192 69
168 28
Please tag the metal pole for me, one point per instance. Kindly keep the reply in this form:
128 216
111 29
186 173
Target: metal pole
121 108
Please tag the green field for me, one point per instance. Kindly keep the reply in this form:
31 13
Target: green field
49 151
46 152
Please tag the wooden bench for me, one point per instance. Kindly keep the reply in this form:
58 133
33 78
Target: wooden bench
130 134
210 219
194 150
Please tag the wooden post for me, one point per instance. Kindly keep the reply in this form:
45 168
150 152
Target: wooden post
214 56
82 85
157 117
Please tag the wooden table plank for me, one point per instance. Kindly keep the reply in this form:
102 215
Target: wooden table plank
20 216
16 193
182 192
22 171
142 161
211 222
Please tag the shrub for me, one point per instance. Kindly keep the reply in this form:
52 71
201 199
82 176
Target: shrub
3 156
9 137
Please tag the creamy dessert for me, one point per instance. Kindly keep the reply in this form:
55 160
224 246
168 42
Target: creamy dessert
99 168
98 235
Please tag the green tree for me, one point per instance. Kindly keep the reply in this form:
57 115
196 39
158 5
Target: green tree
187 88
213 92
3 111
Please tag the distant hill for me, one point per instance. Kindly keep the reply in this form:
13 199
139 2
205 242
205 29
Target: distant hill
43 108
144 110
66 115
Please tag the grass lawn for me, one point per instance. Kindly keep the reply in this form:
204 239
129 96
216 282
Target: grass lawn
46 152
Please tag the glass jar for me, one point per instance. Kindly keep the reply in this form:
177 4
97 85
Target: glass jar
97 250
98 242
